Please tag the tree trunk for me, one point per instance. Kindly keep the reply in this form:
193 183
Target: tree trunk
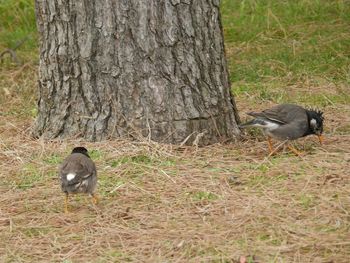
118 68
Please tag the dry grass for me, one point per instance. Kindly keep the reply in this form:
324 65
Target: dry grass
160 203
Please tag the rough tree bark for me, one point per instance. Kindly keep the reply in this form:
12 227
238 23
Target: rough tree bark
128 67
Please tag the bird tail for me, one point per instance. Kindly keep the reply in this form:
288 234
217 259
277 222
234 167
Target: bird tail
252 123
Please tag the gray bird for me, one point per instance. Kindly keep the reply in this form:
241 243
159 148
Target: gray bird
78 175
287 122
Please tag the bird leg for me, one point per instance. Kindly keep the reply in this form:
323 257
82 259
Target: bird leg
320 138
66 199
94 199
269 142
295 151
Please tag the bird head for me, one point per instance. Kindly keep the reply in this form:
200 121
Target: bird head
81 150
316 123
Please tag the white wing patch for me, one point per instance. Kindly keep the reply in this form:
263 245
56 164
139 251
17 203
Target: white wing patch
86 176
70 176
271 125
267 125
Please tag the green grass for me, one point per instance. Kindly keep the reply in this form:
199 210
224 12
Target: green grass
203 196
17 21
29 177
108 185
306 201
142 159
53 159
138 159
95 154
35 231
273 44
17 24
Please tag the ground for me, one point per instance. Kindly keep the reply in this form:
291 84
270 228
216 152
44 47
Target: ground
221 203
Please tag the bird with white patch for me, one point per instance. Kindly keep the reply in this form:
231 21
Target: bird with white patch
287 122
78 175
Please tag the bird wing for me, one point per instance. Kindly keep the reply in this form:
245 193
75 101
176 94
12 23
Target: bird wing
283 114
293 130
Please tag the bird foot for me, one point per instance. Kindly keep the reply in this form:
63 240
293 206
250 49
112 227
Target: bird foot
295 151
272 152
66 200
320 139
95 199
269 142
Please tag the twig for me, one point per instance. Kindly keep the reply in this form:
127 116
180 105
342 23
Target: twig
12 51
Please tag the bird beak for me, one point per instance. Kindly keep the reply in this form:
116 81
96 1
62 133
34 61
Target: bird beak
320 138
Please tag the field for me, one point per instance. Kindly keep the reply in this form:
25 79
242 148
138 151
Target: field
221 203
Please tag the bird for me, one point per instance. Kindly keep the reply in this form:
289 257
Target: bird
78 175
286 122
